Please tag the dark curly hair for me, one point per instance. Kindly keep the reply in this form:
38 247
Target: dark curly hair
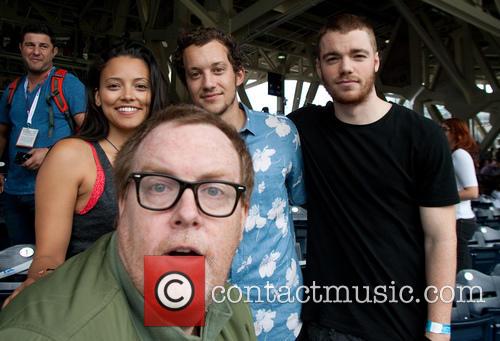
201 36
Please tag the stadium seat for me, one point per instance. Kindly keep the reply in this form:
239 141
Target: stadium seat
496 270
483 289
14 264
477 329
484 259
490 235
477 240
464 326
481 294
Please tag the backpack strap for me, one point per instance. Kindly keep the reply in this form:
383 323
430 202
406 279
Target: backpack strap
56 90
12 88
57 95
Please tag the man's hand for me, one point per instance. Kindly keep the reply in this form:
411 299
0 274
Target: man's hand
16 292
36 159
2 182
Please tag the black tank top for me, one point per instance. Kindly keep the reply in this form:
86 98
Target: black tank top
98 217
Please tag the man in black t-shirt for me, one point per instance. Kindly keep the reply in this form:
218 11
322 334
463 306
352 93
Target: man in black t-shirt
381 196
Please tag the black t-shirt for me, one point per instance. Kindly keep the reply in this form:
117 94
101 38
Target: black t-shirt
365 184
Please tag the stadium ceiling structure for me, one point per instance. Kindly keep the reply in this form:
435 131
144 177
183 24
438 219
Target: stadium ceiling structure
434 52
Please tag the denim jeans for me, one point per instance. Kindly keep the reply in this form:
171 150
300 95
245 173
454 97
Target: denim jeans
20 218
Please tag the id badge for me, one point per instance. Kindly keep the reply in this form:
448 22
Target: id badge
27 137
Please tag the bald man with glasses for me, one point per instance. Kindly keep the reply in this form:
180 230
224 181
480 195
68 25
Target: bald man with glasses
183 184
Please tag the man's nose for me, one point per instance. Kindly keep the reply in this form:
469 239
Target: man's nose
186 212
208 80
346 65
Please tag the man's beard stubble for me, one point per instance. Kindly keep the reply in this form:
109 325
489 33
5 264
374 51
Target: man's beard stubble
349 99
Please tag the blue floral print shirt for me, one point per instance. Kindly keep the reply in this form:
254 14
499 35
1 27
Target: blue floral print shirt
266 266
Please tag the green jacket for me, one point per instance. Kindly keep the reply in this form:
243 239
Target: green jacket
84 299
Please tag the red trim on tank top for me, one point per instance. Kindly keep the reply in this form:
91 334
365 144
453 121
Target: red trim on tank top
98 188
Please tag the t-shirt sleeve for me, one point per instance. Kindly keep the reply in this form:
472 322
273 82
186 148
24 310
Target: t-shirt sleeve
464 168
75 94
297 116
309 116
295 178
436 184
4 112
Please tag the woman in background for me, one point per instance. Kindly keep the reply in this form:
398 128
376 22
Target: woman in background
75 195
464 150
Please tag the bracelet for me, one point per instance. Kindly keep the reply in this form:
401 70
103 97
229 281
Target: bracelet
438 328
42 273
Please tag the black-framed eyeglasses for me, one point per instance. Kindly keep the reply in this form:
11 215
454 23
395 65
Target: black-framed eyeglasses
445 129
159 192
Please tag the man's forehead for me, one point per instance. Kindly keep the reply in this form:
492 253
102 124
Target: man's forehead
214 44
345 35
181 136
174 145
215 47
36 37
158 135
356 39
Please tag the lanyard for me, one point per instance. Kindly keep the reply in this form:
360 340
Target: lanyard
31 110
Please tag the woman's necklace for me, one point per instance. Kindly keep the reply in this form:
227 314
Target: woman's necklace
111 143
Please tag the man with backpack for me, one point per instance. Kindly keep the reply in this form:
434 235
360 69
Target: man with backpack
36 111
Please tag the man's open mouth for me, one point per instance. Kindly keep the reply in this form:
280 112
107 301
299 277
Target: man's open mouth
184 252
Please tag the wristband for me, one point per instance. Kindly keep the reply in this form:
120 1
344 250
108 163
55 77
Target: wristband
438 328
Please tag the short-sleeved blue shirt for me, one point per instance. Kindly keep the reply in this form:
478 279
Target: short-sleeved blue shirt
19 180
266 255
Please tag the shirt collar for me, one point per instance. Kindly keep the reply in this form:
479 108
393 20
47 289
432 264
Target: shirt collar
39 85
250 124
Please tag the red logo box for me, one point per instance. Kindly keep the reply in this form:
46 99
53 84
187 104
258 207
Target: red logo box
174 291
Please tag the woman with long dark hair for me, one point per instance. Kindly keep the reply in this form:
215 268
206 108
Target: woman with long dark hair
464 150
75 195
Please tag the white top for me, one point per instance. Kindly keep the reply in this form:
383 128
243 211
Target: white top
465 175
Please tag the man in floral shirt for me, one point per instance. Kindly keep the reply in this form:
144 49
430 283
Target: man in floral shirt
265 266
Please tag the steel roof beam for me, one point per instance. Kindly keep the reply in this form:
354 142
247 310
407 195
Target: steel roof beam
474 15
433 41
200 12
252 13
